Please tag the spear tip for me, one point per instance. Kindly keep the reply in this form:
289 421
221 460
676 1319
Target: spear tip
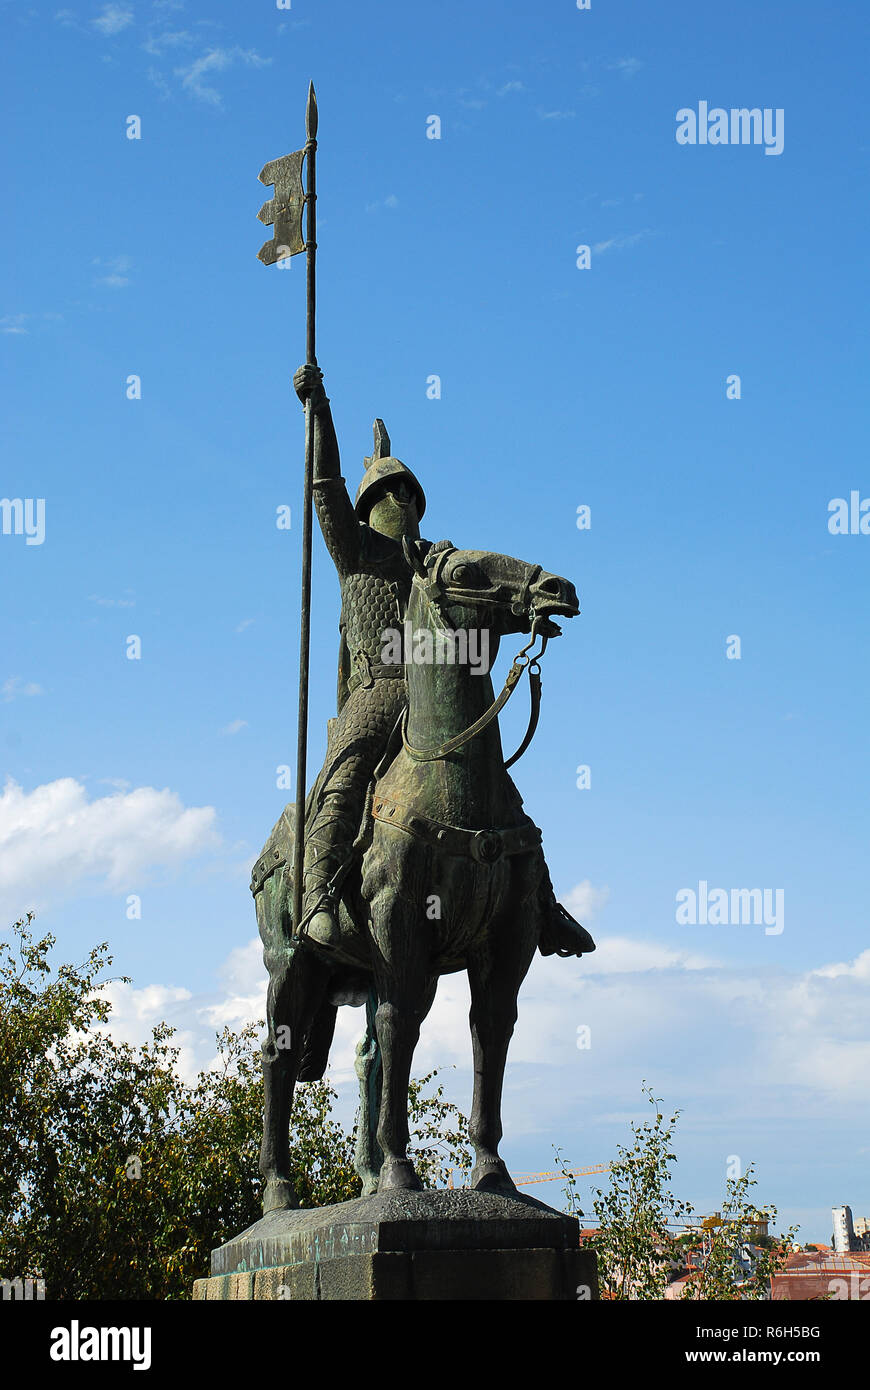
311 113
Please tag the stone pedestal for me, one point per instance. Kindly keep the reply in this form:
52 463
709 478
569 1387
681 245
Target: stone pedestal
445 1244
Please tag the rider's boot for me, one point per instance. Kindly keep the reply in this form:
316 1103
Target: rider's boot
327 850
561 935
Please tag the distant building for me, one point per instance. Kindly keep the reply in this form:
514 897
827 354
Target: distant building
843 1239
823 1275
862 1233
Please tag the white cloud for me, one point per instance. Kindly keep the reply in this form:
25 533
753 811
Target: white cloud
859 968
727 1044
585 901
14 323
627 66
157 44
620 242
113 602
116 277
54 841
243 979
159 81
214 61
241 999
391 201
113 19
15 687
742 1043
621 955
235 727
136 1011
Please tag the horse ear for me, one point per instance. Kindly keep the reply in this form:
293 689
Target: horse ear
414 555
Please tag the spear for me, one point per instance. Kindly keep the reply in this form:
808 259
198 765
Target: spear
284 213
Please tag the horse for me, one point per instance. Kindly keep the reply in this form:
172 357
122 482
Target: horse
448 876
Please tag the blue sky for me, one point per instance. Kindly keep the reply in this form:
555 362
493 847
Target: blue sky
560 387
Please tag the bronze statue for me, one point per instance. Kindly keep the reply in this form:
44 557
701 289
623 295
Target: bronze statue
431 865
365 543
411 856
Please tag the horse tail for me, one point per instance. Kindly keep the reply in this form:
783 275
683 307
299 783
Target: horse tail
318 1043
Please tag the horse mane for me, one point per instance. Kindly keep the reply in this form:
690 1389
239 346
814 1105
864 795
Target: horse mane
441 545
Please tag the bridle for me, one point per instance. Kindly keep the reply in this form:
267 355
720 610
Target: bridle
435 591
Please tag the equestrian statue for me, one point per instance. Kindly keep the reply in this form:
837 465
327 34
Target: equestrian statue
411 856
419 859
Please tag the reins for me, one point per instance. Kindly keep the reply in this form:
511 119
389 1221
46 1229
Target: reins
521 663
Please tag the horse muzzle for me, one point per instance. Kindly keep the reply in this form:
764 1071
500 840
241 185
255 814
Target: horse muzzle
553 597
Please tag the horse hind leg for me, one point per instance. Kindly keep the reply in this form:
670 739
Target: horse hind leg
495 974
368 1156
296 992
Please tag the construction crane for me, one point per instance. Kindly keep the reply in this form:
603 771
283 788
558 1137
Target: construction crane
526 1179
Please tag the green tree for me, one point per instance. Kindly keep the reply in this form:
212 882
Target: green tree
734 1262
117 1178
635 1254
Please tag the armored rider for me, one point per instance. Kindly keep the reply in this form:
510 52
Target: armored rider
365 542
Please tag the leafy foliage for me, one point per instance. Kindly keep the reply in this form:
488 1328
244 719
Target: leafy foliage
634 1248
117 1177
439 1134
572 1198
733 1244
637 1256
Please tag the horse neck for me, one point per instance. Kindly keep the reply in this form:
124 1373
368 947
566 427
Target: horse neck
444 699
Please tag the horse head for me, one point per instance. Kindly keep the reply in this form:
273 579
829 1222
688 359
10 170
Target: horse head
483 588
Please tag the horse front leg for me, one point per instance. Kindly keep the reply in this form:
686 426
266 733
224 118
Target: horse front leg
405 995
495 972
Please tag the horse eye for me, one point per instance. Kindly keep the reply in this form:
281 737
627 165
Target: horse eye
461 572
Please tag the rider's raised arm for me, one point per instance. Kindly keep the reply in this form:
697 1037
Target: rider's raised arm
338 520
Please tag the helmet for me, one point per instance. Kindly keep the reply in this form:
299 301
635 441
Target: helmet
380 468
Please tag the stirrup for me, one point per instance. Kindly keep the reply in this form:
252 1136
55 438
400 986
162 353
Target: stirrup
562 935
324 932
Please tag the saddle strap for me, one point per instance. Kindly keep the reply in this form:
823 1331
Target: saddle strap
366 672
486 846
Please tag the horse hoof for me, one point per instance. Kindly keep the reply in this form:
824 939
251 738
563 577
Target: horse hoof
280 1195
399 1175
493 1176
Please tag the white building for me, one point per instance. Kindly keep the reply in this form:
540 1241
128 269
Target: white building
844 1231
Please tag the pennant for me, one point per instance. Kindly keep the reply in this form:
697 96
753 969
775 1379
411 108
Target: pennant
284 210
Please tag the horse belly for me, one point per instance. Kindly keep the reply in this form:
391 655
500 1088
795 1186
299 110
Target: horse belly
468 896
